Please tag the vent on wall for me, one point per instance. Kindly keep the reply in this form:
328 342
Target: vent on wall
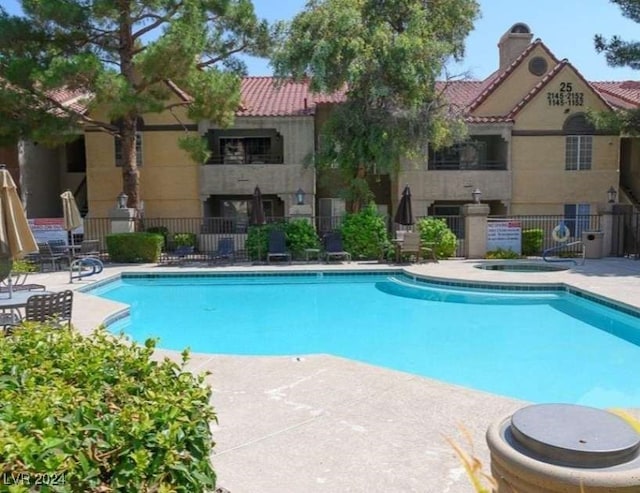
538 66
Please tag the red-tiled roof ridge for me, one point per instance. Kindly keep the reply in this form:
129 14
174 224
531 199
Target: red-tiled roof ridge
603 87
548 78
508 71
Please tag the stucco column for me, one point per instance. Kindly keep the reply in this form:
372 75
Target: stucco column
122 220
475 227
606 226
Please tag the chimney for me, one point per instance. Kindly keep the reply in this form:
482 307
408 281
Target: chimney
513 43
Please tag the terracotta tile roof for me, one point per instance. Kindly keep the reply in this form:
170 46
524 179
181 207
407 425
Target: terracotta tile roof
488 119
460 93
623 94
266 96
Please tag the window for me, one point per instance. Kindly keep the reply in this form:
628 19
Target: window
245 146
578 152
576 218
250 150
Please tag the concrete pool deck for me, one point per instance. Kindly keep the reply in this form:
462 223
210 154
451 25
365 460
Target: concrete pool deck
322 423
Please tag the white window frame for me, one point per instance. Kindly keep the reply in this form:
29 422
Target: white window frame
578 154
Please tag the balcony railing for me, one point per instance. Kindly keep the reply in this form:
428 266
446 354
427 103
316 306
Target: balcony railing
247 158
461 166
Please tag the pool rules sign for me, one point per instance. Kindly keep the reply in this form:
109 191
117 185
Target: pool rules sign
504 234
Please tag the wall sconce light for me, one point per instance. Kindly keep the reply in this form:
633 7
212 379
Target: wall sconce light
121 200
476 194
300 197
612 194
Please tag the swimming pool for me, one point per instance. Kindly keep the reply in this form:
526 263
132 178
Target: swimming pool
540 346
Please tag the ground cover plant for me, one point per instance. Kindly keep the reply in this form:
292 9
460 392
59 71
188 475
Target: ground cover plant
98 414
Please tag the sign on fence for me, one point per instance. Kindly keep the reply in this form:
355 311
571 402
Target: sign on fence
504 234
50 228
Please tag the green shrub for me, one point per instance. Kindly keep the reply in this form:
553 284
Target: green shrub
134 247
436 230
532 241
364 234
102 413
160 230
257 243
22 266
300 235
184 239
501 253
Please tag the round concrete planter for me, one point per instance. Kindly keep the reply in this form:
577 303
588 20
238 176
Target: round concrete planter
560 448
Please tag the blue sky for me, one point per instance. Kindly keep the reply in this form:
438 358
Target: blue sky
567 27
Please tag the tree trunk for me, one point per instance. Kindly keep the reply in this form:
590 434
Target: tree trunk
356 188
130 172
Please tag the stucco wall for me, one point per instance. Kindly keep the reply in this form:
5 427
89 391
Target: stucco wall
281 179
514 87
541 184
168 177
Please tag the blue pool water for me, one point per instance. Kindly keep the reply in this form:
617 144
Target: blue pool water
548 346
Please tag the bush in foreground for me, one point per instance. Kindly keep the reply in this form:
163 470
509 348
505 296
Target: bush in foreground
134 247
98 414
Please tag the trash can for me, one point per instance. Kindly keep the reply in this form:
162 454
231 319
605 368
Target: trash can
592 243
553 448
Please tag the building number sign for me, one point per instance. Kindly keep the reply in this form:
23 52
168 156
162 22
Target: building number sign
565 96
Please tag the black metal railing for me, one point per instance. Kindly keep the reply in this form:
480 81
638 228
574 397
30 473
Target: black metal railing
462 166
247 158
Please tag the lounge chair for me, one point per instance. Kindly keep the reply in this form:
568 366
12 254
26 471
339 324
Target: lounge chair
53 307
278 246
226 251
333 248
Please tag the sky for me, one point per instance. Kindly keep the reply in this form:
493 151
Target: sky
567 27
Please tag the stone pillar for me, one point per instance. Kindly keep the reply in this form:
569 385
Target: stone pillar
122 220
606 226
302 211
475 230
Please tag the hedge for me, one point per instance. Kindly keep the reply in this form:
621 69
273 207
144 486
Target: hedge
134 247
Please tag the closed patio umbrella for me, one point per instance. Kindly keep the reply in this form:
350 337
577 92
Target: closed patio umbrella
257 209
16 238
257 214
404 214
72 217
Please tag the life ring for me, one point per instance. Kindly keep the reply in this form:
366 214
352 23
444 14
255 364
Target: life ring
561 233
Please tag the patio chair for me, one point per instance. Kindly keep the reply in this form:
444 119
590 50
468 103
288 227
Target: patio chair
46 255
19 283
410 245
178 256
226 251
8 319
278 246
333 247
59 246
52 307
89 248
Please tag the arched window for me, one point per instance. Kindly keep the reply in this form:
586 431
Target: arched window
578 142
117 141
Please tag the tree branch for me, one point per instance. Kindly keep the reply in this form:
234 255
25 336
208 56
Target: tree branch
227 54
159 20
